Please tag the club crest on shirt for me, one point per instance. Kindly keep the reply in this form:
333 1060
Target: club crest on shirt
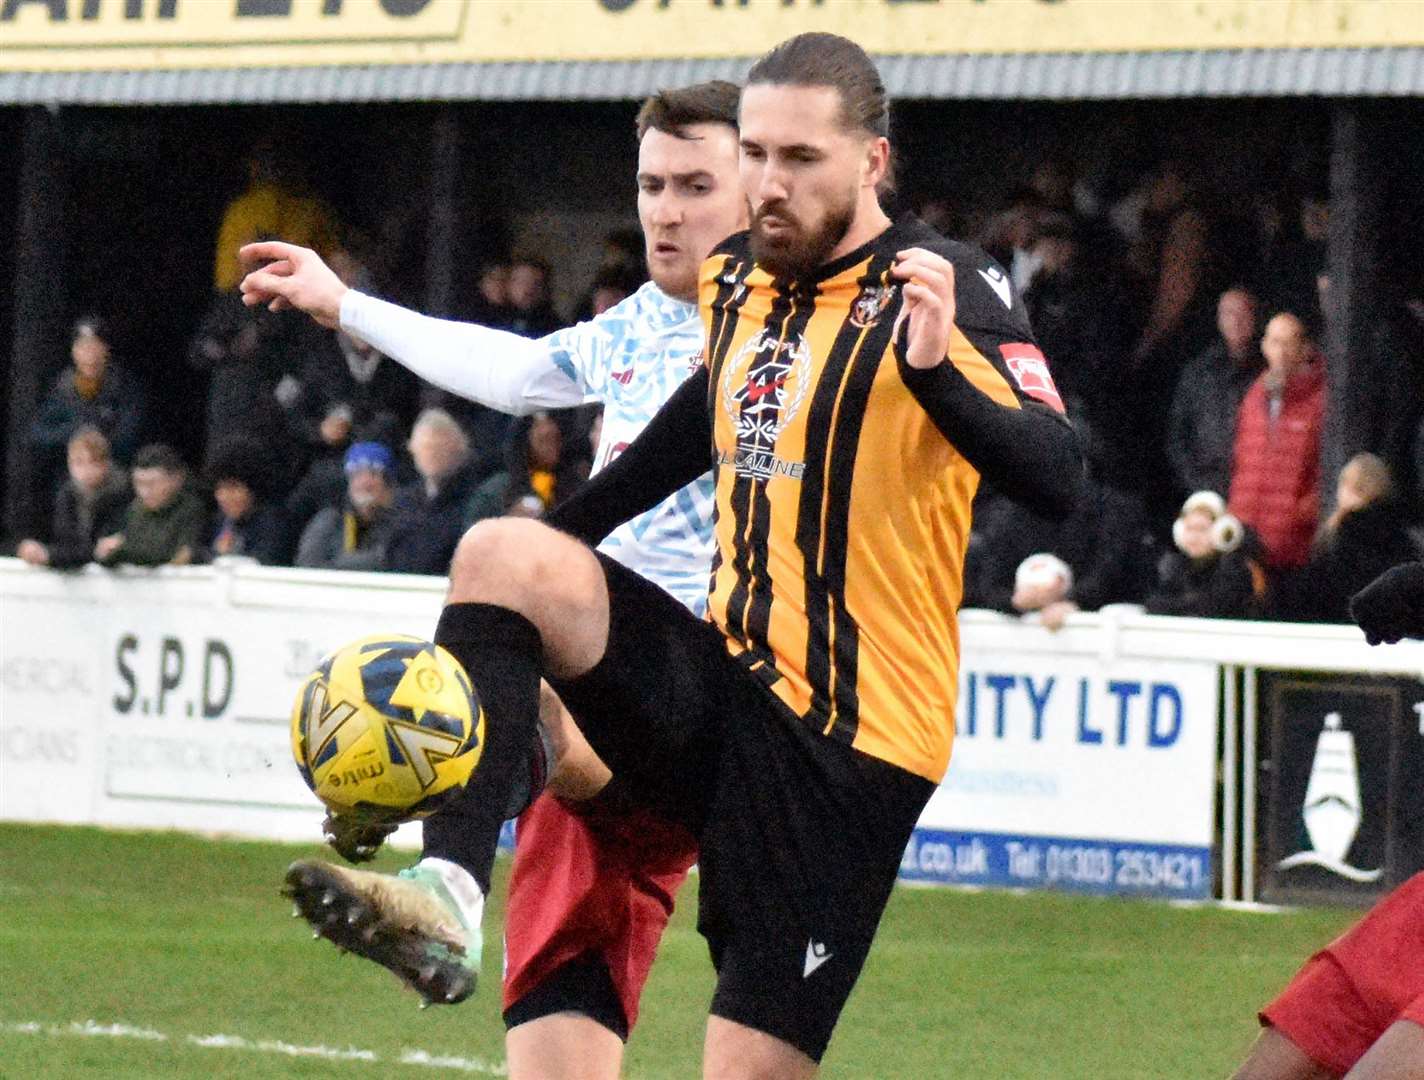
763 388
873 299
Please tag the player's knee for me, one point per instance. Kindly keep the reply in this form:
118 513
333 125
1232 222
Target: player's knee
505 561
551 579
736 1052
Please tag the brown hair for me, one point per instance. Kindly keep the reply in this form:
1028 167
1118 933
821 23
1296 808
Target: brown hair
91 440
674 111
834 61
159 456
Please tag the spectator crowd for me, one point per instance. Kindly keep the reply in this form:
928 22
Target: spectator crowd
1183 334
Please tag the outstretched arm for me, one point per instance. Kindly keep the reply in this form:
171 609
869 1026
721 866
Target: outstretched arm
672 451
493 367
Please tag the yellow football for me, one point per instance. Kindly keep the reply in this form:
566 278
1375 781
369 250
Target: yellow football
387 729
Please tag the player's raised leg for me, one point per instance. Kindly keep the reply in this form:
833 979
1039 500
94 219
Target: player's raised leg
523 599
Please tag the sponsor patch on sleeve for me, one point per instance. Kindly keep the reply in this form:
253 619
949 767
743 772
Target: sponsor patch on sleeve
1030 371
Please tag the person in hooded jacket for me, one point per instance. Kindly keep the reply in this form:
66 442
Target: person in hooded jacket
1215 572
246 522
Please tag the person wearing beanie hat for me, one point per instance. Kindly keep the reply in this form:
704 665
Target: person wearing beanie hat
369 455
1214 572
355 536
1042 585
1106 544
1040 580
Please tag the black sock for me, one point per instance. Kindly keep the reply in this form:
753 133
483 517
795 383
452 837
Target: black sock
502 652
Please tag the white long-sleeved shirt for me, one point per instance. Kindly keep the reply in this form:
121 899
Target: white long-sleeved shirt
631 358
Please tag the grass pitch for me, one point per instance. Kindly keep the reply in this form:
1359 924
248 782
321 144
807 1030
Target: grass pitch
141 955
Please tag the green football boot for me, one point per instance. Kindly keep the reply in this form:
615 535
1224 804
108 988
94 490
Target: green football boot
412 923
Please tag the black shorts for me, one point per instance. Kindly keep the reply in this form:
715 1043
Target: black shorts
801 835
583 985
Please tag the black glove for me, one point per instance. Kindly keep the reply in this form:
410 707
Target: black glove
355 841
1392 606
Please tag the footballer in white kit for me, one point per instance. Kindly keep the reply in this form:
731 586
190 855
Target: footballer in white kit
631 358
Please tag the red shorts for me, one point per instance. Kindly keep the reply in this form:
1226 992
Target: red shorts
591 881
1347 994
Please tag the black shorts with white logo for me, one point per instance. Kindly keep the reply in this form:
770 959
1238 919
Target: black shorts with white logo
801 835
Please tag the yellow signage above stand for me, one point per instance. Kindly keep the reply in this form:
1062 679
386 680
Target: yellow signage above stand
77 35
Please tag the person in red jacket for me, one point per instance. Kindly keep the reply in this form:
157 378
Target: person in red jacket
1275 480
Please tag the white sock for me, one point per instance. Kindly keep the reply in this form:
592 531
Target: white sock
462 886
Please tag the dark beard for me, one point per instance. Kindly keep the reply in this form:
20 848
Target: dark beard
800 254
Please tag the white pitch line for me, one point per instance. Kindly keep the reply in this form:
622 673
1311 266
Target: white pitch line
274 1046
94 1029
446 1061
113 1031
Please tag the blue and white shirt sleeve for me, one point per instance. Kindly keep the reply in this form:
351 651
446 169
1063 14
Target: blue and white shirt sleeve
650 346
631 358
504 371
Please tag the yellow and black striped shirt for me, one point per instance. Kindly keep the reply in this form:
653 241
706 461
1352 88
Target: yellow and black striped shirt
843 508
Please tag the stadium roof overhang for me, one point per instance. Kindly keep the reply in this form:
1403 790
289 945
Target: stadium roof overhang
1372 72
117 52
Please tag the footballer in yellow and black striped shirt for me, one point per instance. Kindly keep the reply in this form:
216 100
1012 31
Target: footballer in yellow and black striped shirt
859 377
845 473
843 512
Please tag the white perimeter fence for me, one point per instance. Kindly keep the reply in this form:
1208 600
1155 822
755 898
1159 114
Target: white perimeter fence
1119 755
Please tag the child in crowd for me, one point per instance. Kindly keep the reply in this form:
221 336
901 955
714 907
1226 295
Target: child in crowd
1213 573
1365 535
91 504
164 520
